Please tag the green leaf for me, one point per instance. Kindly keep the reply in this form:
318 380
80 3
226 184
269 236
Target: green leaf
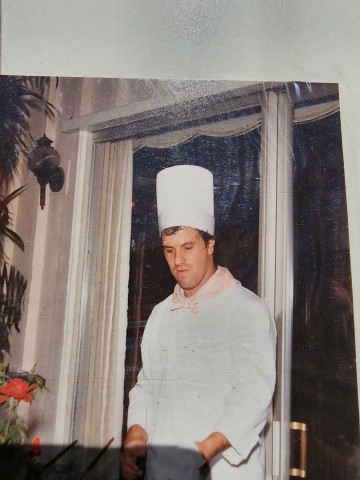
2 425
15 436
14 237
14 194
4 364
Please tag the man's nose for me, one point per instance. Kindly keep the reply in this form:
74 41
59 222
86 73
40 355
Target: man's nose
179 258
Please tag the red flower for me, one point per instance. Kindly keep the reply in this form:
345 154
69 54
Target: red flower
36 448
18 389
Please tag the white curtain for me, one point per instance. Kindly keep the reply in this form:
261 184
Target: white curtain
110 233
100 385
225 128
315 112
232 127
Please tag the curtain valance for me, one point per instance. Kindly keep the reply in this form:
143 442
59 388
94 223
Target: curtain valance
233 127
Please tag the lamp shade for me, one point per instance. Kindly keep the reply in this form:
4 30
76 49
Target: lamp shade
43 155
44 162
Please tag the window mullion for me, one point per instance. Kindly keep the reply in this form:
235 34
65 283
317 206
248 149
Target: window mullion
276 256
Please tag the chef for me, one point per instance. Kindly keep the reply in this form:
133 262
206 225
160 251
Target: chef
202 398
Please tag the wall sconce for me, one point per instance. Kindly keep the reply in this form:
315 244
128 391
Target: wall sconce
44 162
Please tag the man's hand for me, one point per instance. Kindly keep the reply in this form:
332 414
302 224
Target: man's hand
133 449
212 445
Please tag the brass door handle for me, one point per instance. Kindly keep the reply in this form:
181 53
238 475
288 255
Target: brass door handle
300 472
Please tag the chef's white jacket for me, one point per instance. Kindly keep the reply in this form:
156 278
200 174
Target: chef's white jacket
208 369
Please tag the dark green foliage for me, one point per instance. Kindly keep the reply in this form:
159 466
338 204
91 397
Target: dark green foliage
18 95
12 289
5 221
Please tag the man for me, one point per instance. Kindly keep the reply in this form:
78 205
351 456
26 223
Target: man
202 398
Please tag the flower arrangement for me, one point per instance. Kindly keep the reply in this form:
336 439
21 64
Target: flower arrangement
15 388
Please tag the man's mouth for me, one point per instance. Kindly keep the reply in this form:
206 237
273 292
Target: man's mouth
181 271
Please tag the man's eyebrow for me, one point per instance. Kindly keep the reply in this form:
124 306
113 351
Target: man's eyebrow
186 244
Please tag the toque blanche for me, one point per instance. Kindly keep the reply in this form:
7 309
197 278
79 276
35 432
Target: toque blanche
185 197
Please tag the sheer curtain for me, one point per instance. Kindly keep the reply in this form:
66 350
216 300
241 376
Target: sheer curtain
95 329
107 278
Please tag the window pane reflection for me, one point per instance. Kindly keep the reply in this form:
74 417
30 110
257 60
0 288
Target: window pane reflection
324 392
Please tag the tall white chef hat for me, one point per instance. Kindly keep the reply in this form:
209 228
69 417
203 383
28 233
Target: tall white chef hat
185 197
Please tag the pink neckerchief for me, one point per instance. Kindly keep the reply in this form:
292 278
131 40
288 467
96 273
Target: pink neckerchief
220 281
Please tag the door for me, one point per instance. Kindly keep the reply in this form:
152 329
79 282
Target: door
305 276
324 388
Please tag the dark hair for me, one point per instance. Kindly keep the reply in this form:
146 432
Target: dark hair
204 235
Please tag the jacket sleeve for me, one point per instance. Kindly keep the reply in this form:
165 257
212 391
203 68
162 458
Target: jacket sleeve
250 382
141 395
140 401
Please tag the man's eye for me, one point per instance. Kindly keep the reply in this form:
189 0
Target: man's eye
168 252
188 248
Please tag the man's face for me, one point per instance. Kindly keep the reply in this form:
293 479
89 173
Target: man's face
189 259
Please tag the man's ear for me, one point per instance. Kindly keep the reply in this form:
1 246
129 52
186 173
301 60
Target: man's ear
211 246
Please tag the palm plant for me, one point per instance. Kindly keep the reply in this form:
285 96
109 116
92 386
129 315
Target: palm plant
18 96
5 220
